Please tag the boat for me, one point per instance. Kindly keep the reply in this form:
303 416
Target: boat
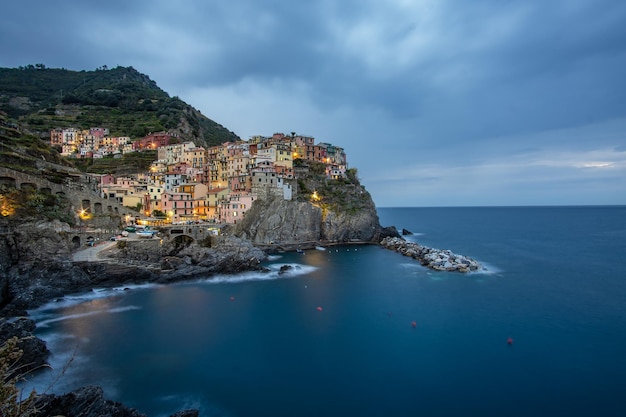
147 233
320 248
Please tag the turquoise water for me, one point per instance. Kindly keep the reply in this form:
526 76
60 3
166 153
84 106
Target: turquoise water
333 336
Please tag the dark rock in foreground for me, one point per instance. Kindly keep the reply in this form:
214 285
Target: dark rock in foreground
34 350
89 401
437 259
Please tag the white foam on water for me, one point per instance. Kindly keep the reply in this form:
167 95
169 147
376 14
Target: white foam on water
487 269
273 274
46 322
95 294
412 265
186 402
274 257
413 238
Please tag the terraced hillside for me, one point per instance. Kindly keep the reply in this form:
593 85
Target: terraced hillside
121 99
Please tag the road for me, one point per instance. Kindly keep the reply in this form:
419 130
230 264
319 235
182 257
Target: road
91 253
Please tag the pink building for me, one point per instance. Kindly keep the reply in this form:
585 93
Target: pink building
153 141
107 179
234 209
177 206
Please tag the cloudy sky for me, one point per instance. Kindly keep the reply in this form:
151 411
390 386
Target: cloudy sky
436 102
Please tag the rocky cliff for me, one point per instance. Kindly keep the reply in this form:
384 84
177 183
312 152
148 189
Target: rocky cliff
275 222
324 211
35 264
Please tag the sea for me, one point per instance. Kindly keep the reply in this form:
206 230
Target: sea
363 331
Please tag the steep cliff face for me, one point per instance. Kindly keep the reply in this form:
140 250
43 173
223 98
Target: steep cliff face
324 211
280 222
360 224
275 220
35 265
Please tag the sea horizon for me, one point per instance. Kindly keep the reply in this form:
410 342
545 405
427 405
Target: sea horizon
509 206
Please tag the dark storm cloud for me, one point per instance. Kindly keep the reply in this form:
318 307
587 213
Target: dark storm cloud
349 52
466 91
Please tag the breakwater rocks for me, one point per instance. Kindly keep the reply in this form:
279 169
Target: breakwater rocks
437 259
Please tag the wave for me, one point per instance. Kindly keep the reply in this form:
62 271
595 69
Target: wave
175 402
487 269
414 265
95 294
276 271
413 238
56 318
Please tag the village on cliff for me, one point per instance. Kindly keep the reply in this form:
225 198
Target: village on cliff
189 183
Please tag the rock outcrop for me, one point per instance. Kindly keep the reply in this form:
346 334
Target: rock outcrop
36 264
89 401
278 223
437 259
226 255
34 350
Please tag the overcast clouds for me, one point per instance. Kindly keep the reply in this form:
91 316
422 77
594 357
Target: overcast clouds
437 103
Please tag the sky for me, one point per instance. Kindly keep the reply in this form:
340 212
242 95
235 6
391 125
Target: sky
436 102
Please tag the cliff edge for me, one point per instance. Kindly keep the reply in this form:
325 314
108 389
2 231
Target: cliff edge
325 213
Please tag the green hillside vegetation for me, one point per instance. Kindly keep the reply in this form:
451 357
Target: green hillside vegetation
121 99
22 151
340 195
130 163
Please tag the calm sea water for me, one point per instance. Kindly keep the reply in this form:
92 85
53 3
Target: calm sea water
333 336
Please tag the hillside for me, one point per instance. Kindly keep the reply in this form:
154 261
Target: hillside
128 103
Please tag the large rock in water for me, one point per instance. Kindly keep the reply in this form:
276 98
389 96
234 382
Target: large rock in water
282 222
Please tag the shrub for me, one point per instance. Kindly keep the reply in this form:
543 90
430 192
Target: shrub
11 402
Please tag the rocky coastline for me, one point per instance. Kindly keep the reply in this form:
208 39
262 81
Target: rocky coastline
437 259
38 264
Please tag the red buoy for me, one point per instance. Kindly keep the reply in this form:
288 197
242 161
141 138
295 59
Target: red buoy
319 309
509 341
413 324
